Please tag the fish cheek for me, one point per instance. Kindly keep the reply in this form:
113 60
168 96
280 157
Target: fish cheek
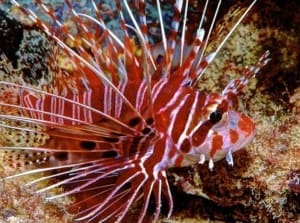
246 125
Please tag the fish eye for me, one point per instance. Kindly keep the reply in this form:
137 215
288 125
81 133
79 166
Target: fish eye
215 117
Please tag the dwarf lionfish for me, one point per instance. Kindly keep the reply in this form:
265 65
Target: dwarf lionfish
128 109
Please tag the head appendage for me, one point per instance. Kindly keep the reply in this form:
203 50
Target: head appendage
235 86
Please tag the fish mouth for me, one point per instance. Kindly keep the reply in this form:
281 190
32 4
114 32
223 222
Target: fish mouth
240 144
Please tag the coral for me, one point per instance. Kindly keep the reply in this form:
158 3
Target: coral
18 204
11 34
33 56
10 136
294 181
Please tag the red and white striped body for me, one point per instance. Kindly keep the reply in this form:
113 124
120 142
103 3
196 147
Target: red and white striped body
127 118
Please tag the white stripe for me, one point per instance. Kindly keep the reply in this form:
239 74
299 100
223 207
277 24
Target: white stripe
29 104
84 101
53 109
42 106
61 110
119 102
89 100
172 101
188 123
38 107
158 87
175 112
178 5
75 109
140 95
78 108
200 122
107 100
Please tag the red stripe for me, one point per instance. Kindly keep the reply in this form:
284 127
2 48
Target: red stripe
200 135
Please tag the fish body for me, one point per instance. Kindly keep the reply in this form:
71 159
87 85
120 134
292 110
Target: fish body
127 111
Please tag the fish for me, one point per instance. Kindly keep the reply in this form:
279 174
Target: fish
125 110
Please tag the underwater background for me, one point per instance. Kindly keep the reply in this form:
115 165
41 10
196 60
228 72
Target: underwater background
264 183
